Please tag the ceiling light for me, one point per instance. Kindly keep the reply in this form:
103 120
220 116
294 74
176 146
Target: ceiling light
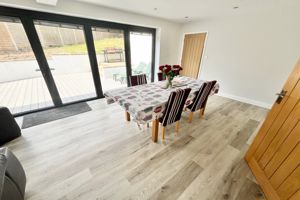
47 2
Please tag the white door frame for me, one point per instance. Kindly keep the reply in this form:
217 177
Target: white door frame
204 48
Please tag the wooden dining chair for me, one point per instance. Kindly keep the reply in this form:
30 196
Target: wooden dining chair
139 79
200 100
177 72
160 76
174 108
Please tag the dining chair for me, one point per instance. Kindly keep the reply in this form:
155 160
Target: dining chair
200 100
139 79
174 108
177 72
160 76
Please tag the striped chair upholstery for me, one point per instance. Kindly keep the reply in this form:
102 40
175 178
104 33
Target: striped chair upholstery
201 97
160 76
174 106
138 79
177 72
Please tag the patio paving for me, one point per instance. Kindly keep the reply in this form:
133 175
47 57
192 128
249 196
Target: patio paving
31 94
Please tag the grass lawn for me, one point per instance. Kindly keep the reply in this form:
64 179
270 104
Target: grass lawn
100 45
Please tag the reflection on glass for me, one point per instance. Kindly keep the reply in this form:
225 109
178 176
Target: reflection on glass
22 87
141 53
66 52
109 45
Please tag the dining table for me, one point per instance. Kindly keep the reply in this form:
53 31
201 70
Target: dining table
146 103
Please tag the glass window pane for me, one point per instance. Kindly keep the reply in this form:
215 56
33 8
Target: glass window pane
109 45
22 87
66 51
141 53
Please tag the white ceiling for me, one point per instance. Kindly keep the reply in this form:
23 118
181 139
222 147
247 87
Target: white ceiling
177 10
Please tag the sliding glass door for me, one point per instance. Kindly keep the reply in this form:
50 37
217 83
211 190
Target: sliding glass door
22 87
110 51
66 52
141 53
50 60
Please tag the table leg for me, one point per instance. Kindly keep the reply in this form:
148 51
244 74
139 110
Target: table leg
155 124
127 116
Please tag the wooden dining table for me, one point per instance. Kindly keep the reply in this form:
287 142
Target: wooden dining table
146 103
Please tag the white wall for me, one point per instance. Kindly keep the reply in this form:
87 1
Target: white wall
250 55
168 33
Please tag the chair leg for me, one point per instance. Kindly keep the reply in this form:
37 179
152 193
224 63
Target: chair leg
202 112
163 132
191 117
127 116
177 127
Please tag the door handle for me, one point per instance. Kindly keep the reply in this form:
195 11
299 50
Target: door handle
38 70
280 95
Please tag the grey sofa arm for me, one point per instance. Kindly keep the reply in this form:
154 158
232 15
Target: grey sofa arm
3 165
12 176
10 191
15 171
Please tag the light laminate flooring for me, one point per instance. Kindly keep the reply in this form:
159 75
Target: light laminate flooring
97 155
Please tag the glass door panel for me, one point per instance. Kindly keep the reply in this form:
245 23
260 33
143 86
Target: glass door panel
22 86
66 52
109 46
141 53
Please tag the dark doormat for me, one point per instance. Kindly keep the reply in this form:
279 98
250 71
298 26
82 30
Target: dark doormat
42 117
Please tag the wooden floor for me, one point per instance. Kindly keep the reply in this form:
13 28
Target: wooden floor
97 155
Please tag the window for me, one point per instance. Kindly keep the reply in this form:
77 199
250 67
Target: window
141 53
49 60
22 87
110 50
66 52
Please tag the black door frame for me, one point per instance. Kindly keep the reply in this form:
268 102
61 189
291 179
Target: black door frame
93 60
127 55
41 59
27 18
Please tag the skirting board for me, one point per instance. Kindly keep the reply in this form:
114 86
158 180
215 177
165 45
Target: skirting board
246 100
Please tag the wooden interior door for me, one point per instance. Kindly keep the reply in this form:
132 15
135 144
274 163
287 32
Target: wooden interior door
192 54
274 156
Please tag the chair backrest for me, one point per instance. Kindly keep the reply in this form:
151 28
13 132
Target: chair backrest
177 72
138 79
202 95
174 106
160 76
